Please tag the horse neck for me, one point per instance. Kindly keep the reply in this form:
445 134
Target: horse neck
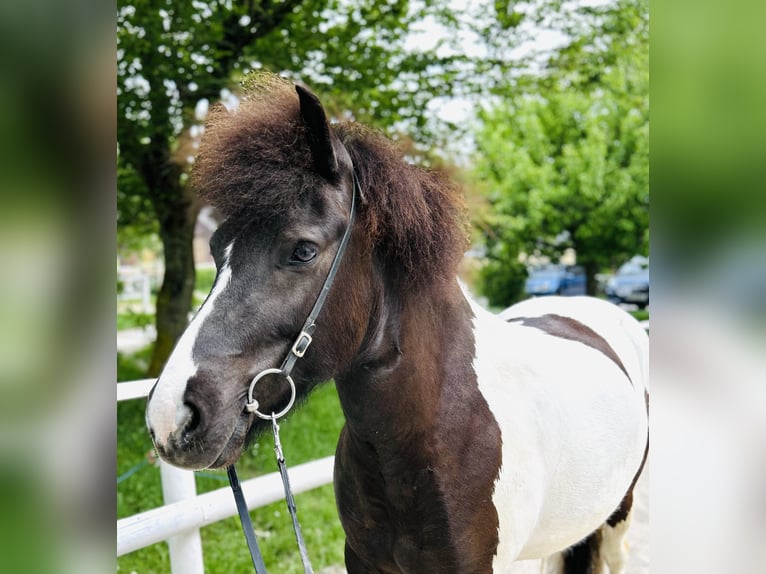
413 368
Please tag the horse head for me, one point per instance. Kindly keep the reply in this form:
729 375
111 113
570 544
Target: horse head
284 183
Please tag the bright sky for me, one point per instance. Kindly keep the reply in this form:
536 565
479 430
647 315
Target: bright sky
428 34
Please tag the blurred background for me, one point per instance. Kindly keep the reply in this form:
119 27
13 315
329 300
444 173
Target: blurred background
540 109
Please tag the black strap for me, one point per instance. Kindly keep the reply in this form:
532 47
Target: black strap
296 352
304 338
247 525
296 526
290 499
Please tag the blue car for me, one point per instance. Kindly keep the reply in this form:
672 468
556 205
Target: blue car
631 283
555 280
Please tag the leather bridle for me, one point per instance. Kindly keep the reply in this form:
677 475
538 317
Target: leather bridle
304 339
297 351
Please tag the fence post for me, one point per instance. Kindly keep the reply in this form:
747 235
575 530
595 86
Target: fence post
185 547
146 294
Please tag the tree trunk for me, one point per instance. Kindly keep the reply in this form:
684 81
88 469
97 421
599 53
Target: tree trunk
591 285
177 210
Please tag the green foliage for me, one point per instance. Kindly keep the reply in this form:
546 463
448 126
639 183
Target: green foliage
502 282
507 16
173 55
135 211
564 155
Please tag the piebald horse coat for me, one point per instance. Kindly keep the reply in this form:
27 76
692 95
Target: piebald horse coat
471 440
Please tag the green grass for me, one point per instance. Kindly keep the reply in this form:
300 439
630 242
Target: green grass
133 366
130 319
309 433
641 314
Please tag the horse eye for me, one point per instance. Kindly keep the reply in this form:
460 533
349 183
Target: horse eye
304 252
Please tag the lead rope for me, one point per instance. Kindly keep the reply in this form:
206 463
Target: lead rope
297 351
290 499
244 514
247 525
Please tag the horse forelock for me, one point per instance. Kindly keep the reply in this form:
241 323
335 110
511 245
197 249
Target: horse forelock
257 159
250 156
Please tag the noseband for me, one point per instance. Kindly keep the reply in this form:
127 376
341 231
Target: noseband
296 352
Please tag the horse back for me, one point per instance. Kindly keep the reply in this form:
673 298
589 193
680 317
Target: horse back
619 330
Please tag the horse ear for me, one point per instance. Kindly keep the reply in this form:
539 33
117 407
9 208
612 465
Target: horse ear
319 134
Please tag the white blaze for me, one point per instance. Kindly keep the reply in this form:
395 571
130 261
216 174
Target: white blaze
166 410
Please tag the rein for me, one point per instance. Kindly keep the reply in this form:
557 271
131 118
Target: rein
297 351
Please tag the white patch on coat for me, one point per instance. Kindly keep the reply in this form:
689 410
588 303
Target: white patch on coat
573 427
166 409
623 333
614 546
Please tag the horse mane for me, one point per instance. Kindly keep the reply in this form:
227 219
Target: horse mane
414 218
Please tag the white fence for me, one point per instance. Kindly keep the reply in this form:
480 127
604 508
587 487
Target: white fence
136 286
185 512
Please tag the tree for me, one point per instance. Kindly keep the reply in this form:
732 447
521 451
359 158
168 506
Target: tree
174 55
564 156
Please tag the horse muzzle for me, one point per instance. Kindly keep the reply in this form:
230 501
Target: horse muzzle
194 433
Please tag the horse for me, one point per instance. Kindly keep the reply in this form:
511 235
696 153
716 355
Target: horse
471 440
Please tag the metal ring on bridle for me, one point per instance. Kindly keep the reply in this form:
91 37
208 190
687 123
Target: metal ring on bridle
252 405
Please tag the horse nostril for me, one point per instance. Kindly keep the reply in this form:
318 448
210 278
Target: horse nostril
187 422
193 420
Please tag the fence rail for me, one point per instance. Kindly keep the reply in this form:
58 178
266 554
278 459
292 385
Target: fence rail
178 521
134 389
161 523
